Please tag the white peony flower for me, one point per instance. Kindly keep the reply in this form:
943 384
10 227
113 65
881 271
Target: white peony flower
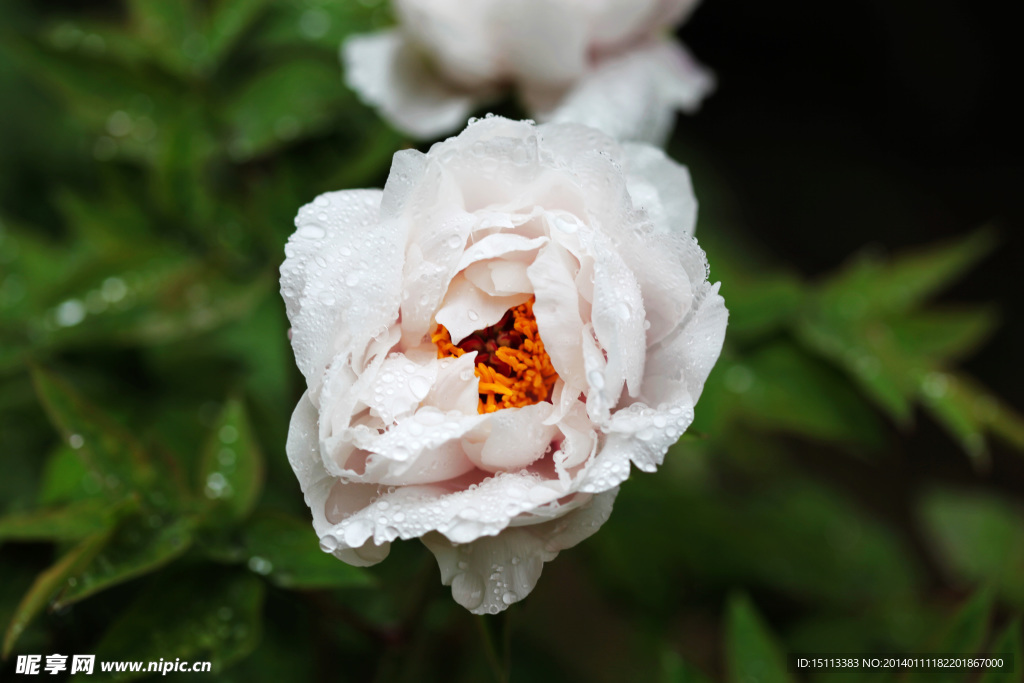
489 342
610 64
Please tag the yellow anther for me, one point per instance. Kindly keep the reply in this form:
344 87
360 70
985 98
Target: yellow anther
513 368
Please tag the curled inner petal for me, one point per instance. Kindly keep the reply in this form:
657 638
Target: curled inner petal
512 365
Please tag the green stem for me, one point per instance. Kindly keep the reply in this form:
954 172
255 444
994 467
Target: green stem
500 672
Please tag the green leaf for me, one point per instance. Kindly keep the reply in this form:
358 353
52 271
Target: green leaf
112 455
232 469
66 478
962 636
140 545
323 25
752 653
47 584
979 539
292 99
204 614
1010 642
229 20
781 388
872 286
674 669
869 358
72 522
968 411
942 336
287 551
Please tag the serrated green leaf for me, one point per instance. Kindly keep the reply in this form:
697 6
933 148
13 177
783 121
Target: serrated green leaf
752 654
138 546
71 522
200 614
232 469
287 551
47 584
978 538
872 365
115 459
872 287
969 412
1010 642
941 336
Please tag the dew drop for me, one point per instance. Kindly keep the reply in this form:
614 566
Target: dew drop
312 232
260 565
419 386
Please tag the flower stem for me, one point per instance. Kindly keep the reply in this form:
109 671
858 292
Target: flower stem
500 672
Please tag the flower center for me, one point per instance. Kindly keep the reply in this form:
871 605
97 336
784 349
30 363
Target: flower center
511 363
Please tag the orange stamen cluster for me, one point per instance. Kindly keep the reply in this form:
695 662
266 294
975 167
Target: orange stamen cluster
511 363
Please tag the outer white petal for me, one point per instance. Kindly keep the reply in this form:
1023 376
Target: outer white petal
675 374
662 188
494 572
635 96
459 512
337 253
391 75
304 456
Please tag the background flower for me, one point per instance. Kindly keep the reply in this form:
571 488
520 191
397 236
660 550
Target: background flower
489 343
611 64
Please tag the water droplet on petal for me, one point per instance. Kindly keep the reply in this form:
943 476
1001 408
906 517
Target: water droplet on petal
419 386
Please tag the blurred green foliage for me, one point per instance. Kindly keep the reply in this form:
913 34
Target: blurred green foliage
154 155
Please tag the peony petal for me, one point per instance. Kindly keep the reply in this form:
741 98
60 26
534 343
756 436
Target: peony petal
317 485
494 572
390 75
329 255
454 508
662 188
457 387
618 317
420 449
456 34
467 308
512 439
634 96
439 226
557 311
541 41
